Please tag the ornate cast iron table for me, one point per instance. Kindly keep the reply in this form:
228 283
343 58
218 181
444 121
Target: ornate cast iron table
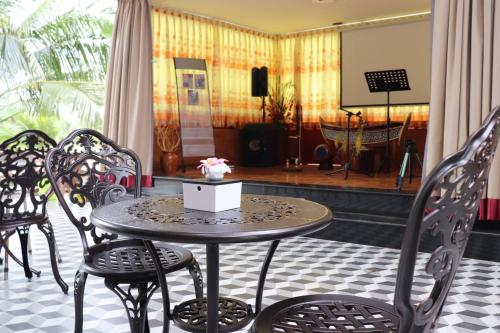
260 218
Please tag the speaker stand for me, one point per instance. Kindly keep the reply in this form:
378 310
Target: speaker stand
263 109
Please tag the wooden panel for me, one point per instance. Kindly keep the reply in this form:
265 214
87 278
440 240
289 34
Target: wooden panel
313 177
227 145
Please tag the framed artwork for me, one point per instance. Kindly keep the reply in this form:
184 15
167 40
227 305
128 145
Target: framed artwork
199 81
193 97
187 81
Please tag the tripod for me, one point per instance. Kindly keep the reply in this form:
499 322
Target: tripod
410 154
347 164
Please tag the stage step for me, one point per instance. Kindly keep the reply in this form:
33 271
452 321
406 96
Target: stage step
346 203
370 217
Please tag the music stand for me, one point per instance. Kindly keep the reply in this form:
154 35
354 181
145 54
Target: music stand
387 81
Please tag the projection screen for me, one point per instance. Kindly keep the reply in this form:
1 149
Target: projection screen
398 46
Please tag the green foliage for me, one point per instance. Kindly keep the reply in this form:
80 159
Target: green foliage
56 127
53 66
281 102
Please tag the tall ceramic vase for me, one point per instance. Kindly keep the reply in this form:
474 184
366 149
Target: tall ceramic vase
169 161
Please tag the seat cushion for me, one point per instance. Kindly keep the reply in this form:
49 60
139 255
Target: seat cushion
327 313
130 259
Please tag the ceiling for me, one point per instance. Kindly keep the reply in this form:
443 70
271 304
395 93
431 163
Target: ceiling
286 16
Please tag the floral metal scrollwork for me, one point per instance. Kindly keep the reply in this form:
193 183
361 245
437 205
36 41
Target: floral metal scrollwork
24 187
274 211
449 216
90 171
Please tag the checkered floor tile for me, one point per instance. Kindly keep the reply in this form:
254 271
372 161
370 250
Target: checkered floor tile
301 266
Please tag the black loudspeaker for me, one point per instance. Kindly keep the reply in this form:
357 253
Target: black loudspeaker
259 82
258 145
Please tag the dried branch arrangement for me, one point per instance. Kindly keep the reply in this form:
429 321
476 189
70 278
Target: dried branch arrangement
168 137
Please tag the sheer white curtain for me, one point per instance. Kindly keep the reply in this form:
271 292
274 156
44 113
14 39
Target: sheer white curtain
128 117
465 82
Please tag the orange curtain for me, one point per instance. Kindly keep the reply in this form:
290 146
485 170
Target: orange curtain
230 54
377 114
311 61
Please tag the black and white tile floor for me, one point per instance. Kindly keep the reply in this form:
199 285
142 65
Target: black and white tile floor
301 266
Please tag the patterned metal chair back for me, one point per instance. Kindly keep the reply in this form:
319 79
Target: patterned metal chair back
88 170
445 209
24 186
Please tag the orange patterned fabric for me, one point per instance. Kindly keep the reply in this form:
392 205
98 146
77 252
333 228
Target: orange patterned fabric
377 114
311 61
230 54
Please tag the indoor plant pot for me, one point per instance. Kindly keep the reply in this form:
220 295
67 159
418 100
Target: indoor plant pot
169 163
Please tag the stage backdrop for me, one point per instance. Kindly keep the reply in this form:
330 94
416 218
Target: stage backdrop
311 61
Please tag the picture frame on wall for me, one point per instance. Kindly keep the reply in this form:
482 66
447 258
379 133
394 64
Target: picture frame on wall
199 81
193 97
187 81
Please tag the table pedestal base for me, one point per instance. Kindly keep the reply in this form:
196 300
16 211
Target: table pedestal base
192 315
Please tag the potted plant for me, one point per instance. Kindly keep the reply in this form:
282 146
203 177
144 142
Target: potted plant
280 109
281 103
168 139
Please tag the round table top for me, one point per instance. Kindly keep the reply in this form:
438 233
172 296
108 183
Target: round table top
259 218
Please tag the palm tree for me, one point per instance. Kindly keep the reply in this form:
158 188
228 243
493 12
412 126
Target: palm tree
53 63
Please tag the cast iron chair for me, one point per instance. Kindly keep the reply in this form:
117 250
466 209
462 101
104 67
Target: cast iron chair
88 170
24 190
446 208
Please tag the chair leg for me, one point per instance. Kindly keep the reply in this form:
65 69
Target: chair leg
23 237
58 254
80 279
6 256
29 243
135 299
48 231
195 271
4 241
143 303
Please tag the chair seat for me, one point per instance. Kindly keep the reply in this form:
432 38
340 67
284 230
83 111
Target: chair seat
129 259
9 221
325 314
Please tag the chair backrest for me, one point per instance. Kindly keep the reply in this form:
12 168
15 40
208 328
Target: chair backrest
24 186
445 209
88 170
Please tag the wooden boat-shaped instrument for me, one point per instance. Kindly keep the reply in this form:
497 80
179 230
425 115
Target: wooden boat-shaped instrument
371 136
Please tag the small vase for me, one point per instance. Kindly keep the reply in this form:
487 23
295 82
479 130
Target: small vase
169 162
216 172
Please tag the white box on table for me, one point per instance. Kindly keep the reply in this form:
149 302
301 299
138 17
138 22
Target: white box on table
211 196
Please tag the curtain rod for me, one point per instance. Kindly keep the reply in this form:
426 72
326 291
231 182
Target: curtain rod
213 19
344 26
361 24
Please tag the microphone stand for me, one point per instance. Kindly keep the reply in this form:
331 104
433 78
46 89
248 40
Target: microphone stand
347 164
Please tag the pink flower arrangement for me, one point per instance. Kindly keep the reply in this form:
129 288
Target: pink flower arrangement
214 168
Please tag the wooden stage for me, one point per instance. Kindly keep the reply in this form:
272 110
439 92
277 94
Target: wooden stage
311 176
